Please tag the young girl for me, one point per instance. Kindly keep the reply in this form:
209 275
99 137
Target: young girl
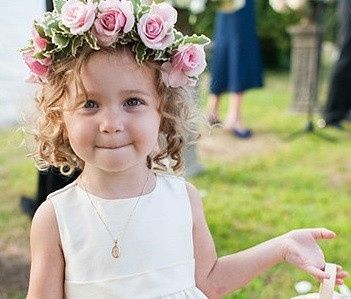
113 103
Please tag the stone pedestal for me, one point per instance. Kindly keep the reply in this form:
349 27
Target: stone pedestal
305 61
192 165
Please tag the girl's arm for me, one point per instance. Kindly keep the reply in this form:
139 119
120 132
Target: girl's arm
47 262
217 277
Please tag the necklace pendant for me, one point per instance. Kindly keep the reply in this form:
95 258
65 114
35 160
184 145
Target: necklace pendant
116 252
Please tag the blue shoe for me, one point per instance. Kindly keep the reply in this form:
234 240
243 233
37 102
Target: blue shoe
245 134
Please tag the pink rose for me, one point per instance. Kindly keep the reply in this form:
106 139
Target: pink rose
114 16
156 27
78 16
185 66
39 67
39 42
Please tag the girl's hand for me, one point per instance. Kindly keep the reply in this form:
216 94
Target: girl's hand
301 249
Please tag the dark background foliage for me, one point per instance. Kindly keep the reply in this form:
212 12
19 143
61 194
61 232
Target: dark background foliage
271 28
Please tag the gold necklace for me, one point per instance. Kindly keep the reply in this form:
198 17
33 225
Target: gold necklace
116 250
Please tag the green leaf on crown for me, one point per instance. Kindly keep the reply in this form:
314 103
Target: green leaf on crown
54 20
148 54
136 4
63 28
178 38
124 39
39 55
57 57
134 34
91 40
143 9
39 28
50 49
140 50
48 31
177 34
58 5
76 43
160 55
196 39
52 24
60 40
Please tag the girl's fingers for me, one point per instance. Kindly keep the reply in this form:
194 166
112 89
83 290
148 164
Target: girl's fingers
322 233
342 274
317 273
339 282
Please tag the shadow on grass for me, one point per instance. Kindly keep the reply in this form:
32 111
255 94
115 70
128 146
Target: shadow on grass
14 275
305 132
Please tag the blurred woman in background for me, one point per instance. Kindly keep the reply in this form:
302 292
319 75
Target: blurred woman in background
236 63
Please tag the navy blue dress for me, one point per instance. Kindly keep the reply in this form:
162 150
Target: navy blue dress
236 62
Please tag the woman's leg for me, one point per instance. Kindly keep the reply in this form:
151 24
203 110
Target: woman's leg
213 108
234 115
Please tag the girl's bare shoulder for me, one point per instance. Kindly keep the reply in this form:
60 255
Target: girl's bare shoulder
44 225
47 261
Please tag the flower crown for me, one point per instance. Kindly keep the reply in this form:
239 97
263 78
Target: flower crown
149 29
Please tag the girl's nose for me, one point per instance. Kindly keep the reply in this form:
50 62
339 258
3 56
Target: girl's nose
111 122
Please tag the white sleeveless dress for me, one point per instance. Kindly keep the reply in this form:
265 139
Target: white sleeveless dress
157 258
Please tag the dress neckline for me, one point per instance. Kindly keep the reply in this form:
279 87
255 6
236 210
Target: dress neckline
119 200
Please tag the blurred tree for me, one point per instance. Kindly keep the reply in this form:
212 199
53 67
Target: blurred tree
275 40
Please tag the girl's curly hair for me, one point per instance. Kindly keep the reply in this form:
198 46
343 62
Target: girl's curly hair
176 108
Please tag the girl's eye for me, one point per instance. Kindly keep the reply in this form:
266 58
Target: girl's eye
90 104
133 102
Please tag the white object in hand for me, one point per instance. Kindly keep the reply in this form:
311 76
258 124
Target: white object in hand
326 290
327 287
303 287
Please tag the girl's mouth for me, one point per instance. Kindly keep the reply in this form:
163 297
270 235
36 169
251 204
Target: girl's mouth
111 146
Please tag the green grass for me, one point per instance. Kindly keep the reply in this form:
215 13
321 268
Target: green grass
17 177
301 182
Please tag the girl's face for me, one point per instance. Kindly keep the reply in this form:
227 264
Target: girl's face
117 125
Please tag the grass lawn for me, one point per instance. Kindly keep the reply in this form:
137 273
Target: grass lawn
253 190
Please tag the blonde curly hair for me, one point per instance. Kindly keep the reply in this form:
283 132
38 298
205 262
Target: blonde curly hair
176 108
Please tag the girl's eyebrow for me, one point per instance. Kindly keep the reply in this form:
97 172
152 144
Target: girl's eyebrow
135 91
89 95
124 92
